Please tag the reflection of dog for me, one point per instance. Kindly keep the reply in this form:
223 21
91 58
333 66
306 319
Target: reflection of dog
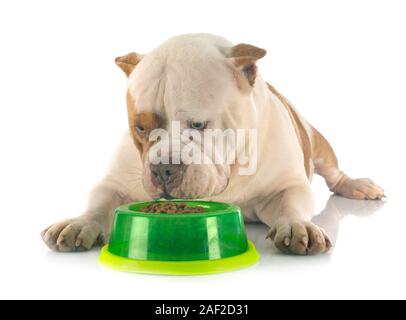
338 208
204 81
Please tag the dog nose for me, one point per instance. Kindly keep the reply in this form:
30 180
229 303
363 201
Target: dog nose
163 171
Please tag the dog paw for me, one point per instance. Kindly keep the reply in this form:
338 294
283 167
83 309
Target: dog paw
294 236
359 189
80 234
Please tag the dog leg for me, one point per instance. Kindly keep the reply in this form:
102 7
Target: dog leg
288 215
326 165
90 229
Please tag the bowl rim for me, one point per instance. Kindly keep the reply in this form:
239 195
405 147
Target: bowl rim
227 208
180 268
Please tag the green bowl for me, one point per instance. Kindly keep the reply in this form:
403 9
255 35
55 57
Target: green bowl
179 244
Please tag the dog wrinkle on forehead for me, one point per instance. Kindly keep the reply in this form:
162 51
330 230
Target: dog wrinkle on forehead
150 96
195 113
197 101
147 85
165 82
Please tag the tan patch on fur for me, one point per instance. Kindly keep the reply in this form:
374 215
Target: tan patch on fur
245 57
301 133
325 161
249 70
323 150
128 62
147 120
247 50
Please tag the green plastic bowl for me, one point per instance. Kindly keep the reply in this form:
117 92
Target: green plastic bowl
179 244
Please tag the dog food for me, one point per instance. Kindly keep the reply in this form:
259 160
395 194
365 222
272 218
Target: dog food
170 208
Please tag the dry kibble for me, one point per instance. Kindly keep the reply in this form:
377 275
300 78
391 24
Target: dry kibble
171 208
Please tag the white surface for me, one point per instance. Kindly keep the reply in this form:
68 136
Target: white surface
62 110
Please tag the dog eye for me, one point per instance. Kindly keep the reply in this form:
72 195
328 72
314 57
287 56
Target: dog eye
198 125
140 129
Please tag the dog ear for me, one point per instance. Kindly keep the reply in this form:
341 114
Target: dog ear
244 58
128 62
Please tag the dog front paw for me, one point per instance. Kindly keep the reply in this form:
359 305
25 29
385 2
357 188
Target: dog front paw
299 237
79 234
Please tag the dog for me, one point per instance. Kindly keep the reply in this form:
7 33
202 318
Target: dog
203 81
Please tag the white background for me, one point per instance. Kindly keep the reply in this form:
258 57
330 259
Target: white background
62 111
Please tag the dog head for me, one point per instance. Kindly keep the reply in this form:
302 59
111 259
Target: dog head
176 94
